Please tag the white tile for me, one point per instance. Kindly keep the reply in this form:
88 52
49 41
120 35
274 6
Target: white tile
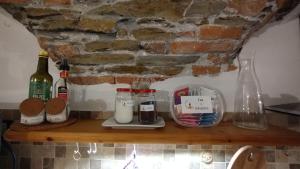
84 163
59 163
294 157
282 166
218 147
108 153
219 165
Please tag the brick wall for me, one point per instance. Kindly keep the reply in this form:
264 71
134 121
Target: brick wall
116 41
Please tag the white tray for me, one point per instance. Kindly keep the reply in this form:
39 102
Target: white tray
134 124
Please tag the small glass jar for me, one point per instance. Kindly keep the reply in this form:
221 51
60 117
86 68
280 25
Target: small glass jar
124 105
147 113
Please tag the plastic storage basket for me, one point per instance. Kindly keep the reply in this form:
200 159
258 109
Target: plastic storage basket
197 106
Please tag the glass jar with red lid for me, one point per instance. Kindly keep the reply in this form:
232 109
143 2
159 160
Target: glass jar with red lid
147 113
124 105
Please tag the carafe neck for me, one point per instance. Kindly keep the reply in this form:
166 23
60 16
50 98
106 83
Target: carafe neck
246 64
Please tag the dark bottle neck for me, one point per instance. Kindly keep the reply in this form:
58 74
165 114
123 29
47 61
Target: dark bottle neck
42 65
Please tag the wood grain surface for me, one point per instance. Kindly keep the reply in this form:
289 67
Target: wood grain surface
224 133
17 126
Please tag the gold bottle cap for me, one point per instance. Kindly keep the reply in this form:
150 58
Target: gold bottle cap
43 53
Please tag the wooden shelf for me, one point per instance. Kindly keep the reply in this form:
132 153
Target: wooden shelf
224 133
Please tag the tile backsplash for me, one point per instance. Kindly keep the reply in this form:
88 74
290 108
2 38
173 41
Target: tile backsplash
147 156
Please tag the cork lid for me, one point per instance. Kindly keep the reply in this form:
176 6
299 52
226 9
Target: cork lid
55 106
31 107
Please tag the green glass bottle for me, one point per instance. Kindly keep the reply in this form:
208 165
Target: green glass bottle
41 81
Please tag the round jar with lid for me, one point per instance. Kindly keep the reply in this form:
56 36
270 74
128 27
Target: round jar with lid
147 113
32 111
56 110
124 105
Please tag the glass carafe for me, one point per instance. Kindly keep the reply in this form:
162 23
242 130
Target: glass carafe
248 105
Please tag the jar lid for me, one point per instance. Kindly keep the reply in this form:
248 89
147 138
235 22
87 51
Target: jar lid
55 106
145 91
124 90
31 107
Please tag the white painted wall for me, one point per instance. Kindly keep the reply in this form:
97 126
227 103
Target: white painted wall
278 61
18 59
277 65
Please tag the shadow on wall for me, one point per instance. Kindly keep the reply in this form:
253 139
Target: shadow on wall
80 99
97 104
163 101
102 98
284 98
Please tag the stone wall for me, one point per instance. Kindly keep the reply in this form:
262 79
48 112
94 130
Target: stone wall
118 41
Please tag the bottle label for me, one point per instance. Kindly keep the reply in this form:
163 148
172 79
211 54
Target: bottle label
62 92
147 107
61 117
196 104
40 90
127 103
33 120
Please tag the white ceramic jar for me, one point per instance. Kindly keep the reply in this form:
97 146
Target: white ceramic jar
56 111
32 111
124 105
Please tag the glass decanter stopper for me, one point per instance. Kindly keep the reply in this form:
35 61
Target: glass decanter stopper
248 103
